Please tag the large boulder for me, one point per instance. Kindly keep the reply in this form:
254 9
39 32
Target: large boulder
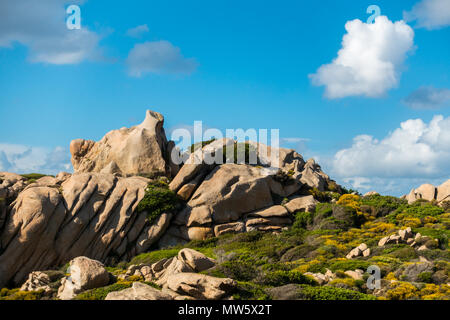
37 281
443 192
85 274
142 149
201 286
94 215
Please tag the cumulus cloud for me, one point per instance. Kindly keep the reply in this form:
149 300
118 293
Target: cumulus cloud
428 98
429 14
26 159
138 31
160 57
370 60
40 26
417 151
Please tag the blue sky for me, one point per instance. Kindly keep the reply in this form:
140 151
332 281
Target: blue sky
233 64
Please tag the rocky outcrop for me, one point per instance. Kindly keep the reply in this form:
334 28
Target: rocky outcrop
406 236
90 214
142 149
85 274
430 193
139 291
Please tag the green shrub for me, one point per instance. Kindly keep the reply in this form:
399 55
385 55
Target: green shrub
158 199
443 235
279 278
333 293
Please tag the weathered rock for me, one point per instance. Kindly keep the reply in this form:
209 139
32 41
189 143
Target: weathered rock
37 281
232 227
196 168
430 192
196 260
27 241
301 204
370 193
139 291
85 274
142 149
201 286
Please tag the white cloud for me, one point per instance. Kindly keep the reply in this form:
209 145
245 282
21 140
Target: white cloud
160 57
415 152
428 98
40 25
138 31
25 159
370 60
430 14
